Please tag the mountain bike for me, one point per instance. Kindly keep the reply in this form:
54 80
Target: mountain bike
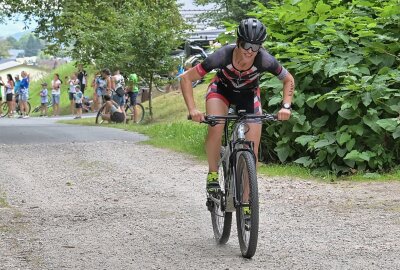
238 180
4 108
129 111
159 83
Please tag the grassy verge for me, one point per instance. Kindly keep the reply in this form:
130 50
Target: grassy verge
170 129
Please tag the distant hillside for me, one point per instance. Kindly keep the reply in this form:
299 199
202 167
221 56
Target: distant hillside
18 35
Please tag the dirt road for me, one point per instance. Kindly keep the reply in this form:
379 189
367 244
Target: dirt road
123 205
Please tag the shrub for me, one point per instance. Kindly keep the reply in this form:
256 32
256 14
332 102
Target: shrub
345 58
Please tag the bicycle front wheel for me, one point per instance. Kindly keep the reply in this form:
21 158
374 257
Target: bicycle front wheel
135 115
99 119
221 220
4 109
29 107
247 212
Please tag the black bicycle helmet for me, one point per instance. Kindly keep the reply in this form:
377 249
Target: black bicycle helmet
252 30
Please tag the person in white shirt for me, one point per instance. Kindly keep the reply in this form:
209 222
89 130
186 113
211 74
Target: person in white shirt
72 82
55 94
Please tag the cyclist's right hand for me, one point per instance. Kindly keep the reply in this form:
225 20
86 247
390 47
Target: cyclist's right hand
196 115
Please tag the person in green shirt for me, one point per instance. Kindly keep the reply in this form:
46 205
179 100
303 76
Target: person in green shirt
132 91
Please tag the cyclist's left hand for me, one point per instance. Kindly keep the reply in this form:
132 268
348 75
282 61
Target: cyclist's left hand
284 114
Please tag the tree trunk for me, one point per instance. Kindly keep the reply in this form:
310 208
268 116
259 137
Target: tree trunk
150 97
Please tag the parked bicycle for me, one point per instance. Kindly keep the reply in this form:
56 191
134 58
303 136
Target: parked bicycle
129 111
4 108
238 182
159 83
49 104
196 55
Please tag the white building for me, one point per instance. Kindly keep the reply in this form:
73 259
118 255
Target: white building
202 31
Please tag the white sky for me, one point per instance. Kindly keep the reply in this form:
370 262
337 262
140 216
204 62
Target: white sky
12 27
188 4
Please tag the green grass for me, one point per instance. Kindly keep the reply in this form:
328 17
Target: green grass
3 201
170 129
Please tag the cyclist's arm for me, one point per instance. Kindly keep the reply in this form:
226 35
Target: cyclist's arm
187 90
288 92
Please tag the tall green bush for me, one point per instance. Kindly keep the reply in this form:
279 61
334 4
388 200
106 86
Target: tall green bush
345 58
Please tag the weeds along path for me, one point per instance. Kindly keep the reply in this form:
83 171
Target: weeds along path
119 205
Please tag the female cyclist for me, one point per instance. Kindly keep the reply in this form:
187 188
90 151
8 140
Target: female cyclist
239 67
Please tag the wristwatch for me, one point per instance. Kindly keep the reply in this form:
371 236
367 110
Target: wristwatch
287 106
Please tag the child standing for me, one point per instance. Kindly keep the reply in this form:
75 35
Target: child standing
78 97
43 100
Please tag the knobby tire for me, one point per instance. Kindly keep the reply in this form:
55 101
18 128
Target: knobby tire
99 120
247 234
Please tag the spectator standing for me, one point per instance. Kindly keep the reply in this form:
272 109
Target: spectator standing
24 95
9 92
73 82
82 77
44 100
132 91
95 95
103 86
78 97
56 93
17 87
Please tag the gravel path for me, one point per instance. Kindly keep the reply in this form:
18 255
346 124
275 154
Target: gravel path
80 206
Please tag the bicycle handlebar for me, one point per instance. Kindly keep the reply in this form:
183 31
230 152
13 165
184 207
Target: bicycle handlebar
213 120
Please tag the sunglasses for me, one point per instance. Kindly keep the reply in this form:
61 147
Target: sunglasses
247 45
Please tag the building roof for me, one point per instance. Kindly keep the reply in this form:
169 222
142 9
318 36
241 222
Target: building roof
9 64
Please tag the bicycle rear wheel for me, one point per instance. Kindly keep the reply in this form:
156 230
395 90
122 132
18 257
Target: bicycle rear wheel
130 114
99 119
221 220
247 221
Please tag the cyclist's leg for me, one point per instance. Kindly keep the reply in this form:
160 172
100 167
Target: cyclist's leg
214 106
217 103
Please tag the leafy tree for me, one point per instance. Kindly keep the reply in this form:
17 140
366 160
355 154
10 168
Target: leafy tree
4 47
135 36
32 46
227 10
13 42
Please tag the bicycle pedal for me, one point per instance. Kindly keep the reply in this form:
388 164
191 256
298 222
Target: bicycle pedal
210 205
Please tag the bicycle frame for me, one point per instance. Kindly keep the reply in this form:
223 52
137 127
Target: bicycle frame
235 145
